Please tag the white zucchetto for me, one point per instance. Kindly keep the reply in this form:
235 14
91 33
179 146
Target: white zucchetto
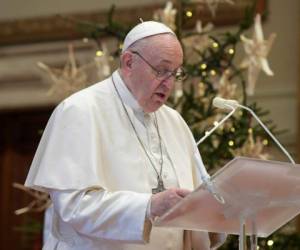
145 29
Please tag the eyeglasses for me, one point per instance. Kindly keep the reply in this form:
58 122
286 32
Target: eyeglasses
178 74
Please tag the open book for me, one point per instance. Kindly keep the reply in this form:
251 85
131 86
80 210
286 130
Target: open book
265 194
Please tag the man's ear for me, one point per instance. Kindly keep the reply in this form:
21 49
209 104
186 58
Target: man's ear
126 61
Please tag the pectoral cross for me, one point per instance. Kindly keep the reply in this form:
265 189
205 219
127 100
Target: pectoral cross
160 186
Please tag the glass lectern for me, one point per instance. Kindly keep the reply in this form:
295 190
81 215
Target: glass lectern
259 197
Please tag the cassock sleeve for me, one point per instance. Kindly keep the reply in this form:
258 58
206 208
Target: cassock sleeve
70 166
98 213
69 148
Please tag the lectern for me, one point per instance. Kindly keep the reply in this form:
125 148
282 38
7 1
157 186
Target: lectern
259 197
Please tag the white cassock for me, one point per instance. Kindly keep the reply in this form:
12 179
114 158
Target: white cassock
99 178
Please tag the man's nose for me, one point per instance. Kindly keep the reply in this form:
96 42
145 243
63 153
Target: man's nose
169 82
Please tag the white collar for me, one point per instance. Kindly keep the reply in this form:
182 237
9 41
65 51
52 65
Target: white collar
125 94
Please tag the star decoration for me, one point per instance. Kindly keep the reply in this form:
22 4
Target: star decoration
256 50
213 4
198 41
167 15
72 78
40 203
252 148
226 89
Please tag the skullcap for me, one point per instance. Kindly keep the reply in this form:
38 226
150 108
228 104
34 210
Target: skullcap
145 29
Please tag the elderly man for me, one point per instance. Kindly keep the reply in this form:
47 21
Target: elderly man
113 156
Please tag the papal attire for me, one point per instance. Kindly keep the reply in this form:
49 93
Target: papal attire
91 163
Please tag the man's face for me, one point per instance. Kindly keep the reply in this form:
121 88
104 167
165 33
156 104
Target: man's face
164 53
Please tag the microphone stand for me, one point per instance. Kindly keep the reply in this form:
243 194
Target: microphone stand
208 133
205 178
269 132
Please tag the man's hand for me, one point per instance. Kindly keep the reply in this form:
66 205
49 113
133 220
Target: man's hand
162 202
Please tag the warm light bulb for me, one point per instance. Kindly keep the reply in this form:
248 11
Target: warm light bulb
231 143
203 66
232 129
265 142
215 45
189 13
270 243
231 51
213 72
250 131
216 123
99 53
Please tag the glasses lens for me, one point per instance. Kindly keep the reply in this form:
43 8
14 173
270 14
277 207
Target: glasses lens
180 75
162 74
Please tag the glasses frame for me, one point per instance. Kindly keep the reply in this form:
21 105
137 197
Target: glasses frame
163 75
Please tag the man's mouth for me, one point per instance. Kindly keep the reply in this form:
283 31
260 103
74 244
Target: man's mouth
161 95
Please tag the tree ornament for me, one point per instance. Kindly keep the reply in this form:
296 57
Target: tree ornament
226 89
252 148
197 41
256 50
213 4
166 15
72 78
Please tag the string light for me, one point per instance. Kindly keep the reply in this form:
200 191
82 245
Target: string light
265 142
270 243
213 72
215 45
99 53
188 13
250 131
216 123
203 66
232 129
231 51
231 143
257 247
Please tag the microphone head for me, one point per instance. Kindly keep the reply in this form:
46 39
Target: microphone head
222 103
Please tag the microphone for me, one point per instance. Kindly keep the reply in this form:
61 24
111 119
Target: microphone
222 103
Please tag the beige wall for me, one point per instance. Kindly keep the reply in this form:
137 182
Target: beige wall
10 9
279 93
